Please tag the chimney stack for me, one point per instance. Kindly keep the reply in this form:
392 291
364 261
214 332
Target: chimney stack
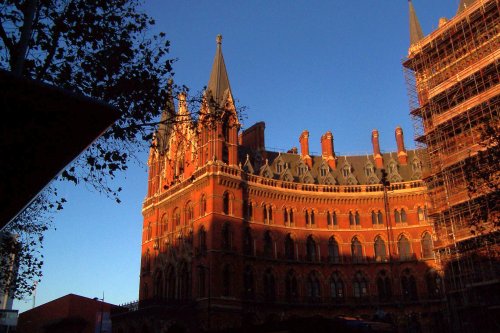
327 150
402 155
377 156
304 148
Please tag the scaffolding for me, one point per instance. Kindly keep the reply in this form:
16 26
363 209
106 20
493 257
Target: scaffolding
453 83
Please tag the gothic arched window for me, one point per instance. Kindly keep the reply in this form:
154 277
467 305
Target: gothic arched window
226 203
434 284
360 285
247 242
409 285
404 248
202 240
333 250
268 244
313 286
248 282
384 286
291 288
226 237
336 287
397 216
289 247
269 285
427 246
311 249
380 250
356 250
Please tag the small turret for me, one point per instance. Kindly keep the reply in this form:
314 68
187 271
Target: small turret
416 33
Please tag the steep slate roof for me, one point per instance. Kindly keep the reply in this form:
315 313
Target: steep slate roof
464 4
416 33
218 84
357 165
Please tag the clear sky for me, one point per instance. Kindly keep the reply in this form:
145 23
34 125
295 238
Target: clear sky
316 65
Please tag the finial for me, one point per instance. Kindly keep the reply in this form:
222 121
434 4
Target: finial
218 39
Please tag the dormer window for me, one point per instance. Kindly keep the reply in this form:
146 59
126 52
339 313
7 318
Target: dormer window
369 170
416 166
302 169
393 168
279 167
346 170
323 171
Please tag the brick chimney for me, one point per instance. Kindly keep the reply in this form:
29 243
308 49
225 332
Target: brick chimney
377 156
327 149
304 148
402 155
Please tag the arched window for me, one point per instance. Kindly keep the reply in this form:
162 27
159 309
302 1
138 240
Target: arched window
357 218
250 211
188 213
313 287
264 214
312 218
351 219
149 232
147 261
380 217
360 285
226 237
384 286
420 214
403 216
374 218
356 250
291 215
177 217
269 285
380 250
247 242
306 217
291 289
434 284
289 247
333 251
158 285
202 240
203 205
270 214
336 287
397 216
164 225
268 244
409 286
427 246
248 282
311 249
183 282
404 248
226 281
328 219
285 216
225 203
334 219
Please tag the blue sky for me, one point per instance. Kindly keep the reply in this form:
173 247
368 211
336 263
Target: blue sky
316 65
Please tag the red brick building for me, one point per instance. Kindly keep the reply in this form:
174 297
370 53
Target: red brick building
68 314
236 234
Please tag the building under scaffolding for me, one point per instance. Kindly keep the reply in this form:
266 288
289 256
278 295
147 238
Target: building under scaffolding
453 79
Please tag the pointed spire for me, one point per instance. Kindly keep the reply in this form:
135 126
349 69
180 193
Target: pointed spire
416 33
218 85
464 4
165 126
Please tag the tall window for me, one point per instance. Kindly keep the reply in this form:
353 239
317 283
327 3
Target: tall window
248 282
285 216
250 211
289 247
333 251
397 216
404 248
427 246
356 250
268 244
311 249
177 217
374 218
291 289
269 285
201 282
328 219
313 287
384 286
188 213
203 205
311 218
247 242
147 261
351 219
291 215
360 285
334 219
404 218
380 250
226 237
420 214
336 287
202 240
225 203
357 218
149 232
409 285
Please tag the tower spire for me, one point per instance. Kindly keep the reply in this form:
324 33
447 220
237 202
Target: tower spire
416 33
218 85
165 127
464 4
